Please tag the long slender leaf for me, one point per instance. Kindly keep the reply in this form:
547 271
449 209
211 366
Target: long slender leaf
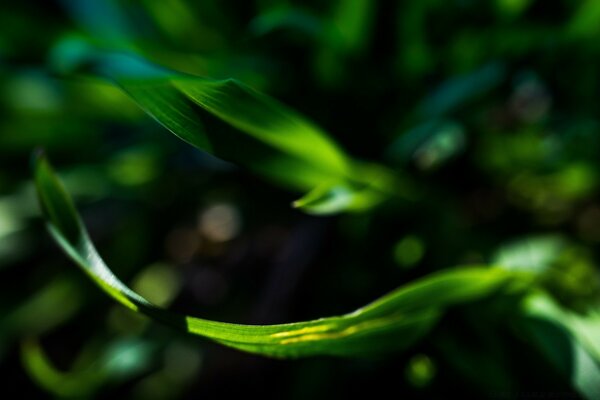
267 137
571 342
392 322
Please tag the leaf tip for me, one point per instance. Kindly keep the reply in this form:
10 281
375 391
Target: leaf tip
297 203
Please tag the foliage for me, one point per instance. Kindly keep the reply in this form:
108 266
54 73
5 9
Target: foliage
322 154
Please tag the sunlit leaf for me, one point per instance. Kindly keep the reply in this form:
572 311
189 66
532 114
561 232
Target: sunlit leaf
351 22
120 360
276 142
394 321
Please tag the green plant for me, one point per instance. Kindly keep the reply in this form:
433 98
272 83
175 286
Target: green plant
304 157
452 164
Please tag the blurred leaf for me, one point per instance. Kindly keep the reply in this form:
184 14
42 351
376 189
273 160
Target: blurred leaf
553 194
414 56
585 22
351 23
504 154
513 8
287 18
330 198
569 341
345 36
13 246
104 18
534 253
457 91
122 359
392 322
429 144
563 269
574 281
45 375
14 211
50 306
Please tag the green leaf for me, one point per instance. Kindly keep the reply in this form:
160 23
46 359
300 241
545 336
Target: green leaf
394 321
122 359
268 121
351 25
460 90
533 253
327 199
584 21
267 137
429 145
570 341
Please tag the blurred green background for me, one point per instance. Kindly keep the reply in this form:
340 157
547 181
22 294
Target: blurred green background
492 107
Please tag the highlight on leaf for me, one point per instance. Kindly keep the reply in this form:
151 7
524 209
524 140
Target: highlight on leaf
265 136
393 322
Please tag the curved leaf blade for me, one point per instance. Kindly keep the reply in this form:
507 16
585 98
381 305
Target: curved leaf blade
276 142
267 120
394 321
568 340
